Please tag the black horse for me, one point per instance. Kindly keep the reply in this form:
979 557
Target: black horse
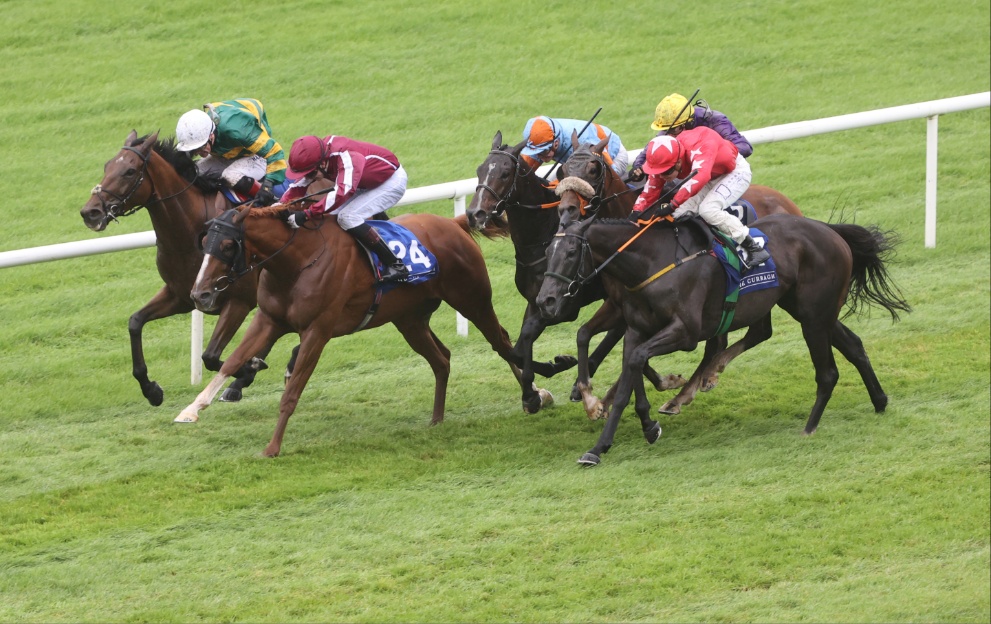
672 291
507 184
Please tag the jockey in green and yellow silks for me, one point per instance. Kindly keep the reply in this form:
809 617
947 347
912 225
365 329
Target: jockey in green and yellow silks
234 140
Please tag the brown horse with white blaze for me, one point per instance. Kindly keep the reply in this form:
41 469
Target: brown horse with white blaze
152 174
316 281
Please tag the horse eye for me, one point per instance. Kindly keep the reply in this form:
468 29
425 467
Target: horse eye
130 172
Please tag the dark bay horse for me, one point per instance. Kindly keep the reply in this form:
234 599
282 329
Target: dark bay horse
672 293
317 282
588 185
507 184
152 174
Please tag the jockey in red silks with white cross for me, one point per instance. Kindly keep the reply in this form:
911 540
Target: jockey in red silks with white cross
722 176
368 179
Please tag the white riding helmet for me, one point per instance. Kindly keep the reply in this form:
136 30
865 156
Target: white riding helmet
193 130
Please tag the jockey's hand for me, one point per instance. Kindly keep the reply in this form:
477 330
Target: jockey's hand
265 196
295 218
635 175
635 216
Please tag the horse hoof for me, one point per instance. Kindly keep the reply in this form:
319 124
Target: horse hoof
546 398
154 394
670 410
881 404
670 382
589 459
230 395
257 364
576 394
186 417
709 383
564 362
653 434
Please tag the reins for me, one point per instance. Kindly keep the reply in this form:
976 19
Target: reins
503 202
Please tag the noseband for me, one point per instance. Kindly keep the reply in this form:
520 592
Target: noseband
221 229
576 281
111 209
501 202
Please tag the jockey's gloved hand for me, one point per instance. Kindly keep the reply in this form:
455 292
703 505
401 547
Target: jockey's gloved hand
265 196
635 175
635 216
295 218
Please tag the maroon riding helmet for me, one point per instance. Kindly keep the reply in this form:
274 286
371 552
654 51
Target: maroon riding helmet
305 155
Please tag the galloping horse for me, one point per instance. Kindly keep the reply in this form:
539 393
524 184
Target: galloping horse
317 282
672 293
150 173
589 184
506 184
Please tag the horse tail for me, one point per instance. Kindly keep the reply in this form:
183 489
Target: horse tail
496 227
870 282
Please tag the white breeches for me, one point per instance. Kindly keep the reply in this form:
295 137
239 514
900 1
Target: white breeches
368 202
711 201
233 170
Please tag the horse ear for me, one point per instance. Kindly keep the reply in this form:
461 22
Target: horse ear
515 151
149 142
601 145
574 139
497 141
242 214
130 138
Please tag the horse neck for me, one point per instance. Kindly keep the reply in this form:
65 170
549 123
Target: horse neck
532 226
285 251
180 210
622 200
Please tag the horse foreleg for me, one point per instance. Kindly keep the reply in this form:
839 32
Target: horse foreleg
162 305
533 326
607 318
419 336
852 348
260 333
636 352
310 348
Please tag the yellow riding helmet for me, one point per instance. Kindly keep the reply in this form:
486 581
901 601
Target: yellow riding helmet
671 112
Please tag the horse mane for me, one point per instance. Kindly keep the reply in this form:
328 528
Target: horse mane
182 162
268 212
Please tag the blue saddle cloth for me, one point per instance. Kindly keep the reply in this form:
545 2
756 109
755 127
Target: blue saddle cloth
758 278
743 210
422 264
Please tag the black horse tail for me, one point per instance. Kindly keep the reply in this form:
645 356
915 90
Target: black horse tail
870 282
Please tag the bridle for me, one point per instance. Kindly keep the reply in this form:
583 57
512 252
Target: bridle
504 201
220 229
596 201
112 210
578 280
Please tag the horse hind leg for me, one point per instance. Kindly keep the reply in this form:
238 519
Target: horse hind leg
852 348
817 338
422 339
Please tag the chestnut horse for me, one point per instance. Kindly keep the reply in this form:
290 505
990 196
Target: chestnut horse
672 291
152 174
589 184
507 184
316 281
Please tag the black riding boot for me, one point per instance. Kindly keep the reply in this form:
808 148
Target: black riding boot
393 269
755 253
